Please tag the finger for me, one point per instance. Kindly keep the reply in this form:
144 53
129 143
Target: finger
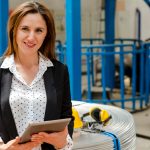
15 141
43 133
65 130
17 138
37 139
32 144
39 142
37 136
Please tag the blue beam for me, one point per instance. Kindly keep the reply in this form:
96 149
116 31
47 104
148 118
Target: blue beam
109 39
148 2
73 46
3 25
110 21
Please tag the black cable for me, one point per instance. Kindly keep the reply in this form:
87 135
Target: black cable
143 136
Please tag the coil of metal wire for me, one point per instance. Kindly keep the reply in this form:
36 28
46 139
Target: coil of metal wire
118 134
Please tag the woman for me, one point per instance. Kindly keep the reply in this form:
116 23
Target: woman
34 85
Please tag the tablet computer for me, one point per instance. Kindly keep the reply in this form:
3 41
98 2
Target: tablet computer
45 126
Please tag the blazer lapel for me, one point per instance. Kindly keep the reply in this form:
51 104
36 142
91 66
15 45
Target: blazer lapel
51 107
6 80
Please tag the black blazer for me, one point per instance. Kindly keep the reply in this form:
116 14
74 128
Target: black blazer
59 104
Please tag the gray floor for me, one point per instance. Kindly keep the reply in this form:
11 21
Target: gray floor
142 144
142 124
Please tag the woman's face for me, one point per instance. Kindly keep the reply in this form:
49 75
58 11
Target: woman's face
30 34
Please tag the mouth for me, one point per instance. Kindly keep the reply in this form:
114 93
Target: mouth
29 45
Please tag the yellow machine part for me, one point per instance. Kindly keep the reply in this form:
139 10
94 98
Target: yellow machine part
104 115
99 114
77 122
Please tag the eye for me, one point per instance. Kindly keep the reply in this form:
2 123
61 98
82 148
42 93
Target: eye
24 29
39 30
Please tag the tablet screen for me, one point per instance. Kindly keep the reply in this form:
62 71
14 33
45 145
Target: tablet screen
45 126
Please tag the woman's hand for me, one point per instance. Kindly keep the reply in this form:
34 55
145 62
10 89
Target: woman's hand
14 145
57 139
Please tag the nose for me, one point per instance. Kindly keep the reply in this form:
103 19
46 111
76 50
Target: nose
31 36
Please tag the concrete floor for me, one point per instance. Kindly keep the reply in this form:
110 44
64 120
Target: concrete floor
143 144
142 124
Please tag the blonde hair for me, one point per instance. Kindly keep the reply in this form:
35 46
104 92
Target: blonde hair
48 46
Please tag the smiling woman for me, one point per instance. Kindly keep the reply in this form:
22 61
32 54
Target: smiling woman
34 85
30 36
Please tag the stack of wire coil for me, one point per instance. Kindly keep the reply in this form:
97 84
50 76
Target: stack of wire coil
118 134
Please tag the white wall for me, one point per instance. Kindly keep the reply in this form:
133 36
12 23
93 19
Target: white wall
126 22
91 14
57 4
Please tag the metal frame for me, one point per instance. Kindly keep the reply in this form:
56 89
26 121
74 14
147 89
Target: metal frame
3 25
73 46
140 99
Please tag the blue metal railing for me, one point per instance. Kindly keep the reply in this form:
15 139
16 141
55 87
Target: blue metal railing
147 72
92 41
140 73
134 95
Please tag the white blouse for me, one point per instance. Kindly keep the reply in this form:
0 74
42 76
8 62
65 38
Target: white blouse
28 102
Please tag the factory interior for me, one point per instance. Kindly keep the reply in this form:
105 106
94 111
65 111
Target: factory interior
106 46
